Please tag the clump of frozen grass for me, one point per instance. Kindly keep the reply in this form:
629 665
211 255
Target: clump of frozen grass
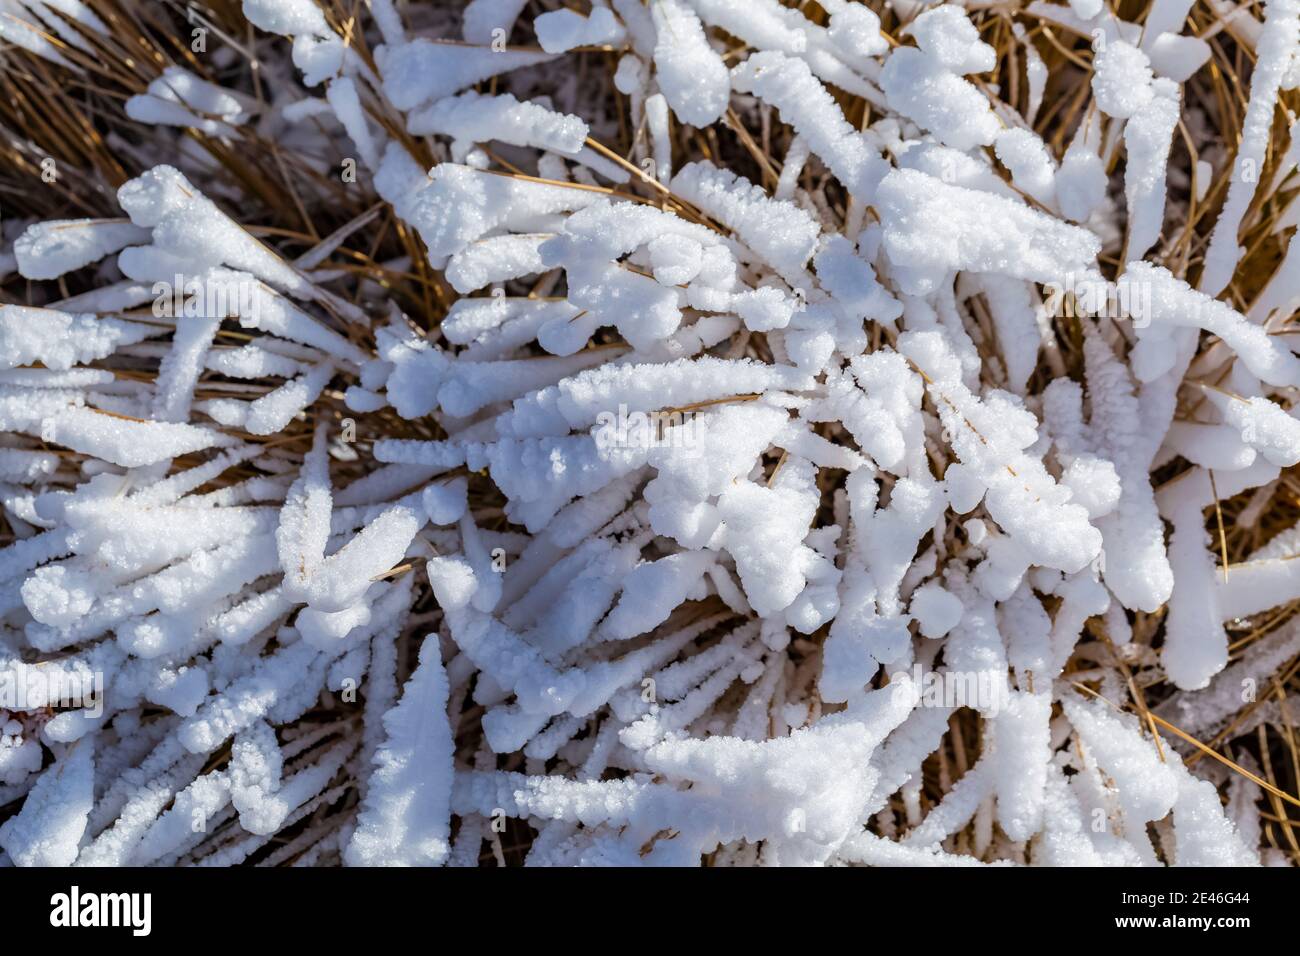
702 471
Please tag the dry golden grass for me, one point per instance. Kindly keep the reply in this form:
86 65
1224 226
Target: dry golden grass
75 117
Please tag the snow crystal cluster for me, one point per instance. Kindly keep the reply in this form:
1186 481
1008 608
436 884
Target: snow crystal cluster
721 486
